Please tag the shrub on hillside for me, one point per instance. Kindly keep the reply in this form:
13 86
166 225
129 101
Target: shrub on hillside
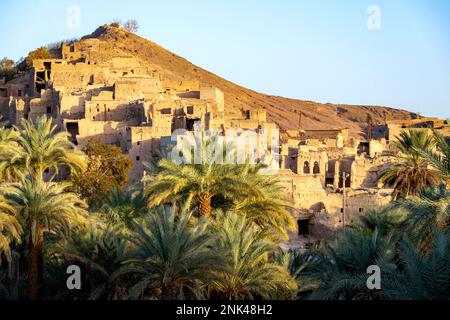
107 169
7 69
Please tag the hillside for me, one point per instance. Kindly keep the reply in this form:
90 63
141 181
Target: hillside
283 111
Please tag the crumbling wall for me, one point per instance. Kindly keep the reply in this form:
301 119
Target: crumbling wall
215 95
109 132
365 172
72 106
136 87
78 76
142 144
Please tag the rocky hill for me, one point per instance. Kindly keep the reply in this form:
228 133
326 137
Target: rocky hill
116 42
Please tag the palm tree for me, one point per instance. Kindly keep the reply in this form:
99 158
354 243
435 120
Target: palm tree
100 252
387 220
427 213
208 183
10 229
409 176
267 208
198 183
40 148
8 151
201 177
249 274
297 263
172 256
122 207
412 171
440 158
11 281
41 207
409 142
421 277
339 270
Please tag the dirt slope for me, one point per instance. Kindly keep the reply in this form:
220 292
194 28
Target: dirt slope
283 111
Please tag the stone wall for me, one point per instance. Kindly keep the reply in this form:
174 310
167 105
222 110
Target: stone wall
122 101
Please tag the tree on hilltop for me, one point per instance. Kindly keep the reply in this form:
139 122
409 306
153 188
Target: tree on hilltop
131 26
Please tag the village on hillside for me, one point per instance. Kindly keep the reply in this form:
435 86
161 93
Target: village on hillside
123 178
122 102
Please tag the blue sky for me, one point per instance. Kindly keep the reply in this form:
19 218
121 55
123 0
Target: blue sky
317 50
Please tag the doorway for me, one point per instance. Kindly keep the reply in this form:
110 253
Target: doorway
303 227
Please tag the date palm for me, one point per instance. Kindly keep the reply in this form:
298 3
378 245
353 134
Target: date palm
421 277
427 213
12 280
197 176
250 274
339 270
411 141
172 256
386 221
10 229
39 147
267 208
9 151
41 207
121 207
196 183
439 158
412 171
99 251
209 184
297 264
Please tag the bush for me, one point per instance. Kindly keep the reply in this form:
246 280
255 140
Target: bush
7 69
107 169
40 53
131 26
115 23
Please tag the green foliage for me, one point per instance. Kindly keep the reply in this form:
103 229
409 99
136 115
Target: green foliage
36 147
208 184
297 265
99 252
123 207
422 277
41 207
11 279
409 142
172 257
10 229
7 69
412 172
249 272
40 53
427 213
439 158
126 250
385 221
107 169
340 269
38 203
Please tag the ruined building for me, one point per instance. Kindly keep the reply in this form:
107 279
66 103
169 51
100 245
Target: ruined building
122 101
